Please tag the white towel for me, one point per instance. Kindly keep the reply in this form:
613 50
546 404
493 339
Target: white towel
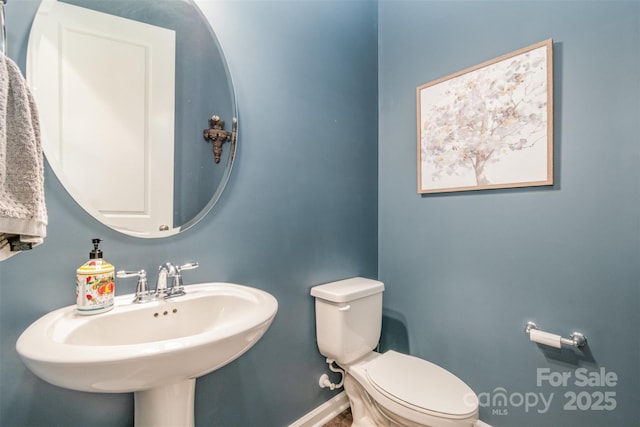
23 213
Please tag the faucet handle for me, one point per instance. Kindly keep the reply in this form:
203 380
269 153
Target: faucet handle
124 274
142 289
188 266
177 289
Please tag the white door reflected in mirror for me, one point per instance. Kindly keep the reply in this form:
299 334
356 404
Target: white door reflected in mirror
108 136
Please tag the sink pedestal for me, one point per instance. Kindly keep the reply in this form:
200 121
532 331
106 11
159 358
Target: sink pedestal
170 405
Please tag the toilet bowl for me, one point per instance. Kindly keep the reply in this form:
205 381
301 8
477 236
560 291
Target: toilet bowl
408 391
389 389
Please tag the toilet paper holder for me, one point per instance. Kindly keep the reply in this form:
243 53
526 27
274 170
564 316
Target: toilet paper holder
576 339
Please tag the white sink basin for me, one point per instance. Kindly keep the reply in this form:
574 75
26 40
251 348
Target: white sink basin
157 346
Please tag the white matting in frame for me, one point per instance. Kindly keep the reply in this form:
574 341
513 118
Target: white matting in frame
488 126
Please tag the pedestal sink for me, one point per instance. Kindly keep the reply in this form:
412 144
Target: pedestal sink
156 349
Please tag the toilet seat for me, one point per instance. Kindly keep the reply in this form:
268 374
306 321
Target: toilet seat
416 389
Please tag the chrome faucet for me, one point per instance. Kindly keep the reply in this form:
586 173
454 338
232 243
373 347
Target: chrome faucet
164 271
176 288
164 289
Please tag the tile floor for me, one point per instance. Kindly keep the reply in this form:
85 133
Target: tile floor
343 419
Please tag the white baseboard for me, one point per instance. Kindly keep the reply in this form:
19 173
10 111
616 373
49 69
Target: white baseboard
331 408
325 412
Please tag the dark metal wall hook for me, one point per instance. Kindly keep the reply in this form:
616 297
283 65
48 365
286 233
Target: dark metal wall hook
218 136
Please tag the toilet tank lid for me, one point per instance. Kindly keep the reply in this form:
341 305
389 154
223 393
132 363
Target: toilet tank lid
348 289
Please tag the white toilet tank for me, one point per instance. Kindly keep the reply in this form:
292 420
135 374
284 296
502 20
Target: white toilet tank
348 318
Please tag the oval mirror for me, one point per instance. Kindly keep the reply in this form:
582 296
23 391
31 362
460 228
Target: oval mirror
126 91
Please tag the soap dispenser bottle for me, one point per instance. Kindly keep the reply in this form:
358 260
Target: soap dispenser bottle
95 284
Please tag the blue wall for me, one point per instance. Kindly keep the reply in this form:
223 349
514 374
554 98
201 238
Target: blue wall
300 210
467 270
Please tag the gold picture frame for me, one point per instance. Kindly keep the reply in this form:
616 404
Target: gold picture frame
488 126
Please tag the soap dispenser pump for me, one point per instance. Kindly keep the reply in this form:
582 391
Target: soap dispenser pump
95 283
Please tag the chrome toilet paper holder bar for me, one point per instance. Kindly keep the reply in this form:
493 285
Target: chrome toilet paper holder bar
576 339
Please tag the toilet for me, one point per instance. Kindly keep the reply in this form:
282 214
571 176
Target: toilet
389 389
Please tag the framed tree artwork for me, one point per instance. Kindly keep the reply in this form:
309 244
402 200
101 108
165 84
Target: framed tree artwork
489 126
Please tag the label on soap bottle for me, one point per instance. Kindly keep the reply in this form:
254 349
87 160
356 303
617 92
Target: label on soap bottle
95 287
